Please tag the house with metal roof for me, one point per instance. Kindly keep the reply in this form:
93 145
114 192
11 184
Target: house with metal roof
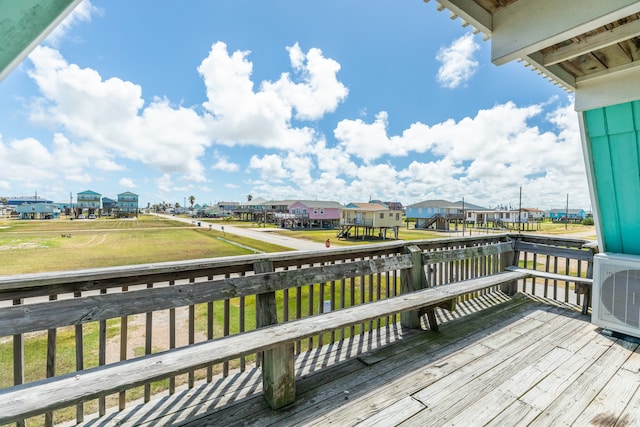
109 206
21 200
436 214
361 220
572 215
127 204
88 202
315 214
38 211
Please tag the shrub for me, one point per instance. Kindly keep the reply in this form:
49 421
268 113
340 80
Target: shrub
587 221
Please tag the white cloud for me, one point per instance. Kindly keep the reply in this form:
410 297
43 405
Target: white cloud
84 106
270 167
127 183
222 163
82 13
164 183
23 160
242 116
81 106
457 62
370 141
107 165
318 93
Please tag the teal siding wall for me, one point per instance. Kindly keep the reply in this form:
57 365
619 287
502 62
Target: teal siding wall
613 135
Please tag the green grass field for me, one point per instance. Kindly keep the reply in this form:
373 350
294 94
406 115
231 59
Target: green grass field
38 246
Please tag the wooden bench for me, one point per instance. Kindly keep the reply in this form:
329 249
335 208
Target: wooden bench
583 284
34 398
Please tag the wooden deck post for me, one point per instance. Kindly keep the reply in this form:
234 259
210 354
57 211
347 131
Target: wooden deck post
412 280
507 259
586 290
278 374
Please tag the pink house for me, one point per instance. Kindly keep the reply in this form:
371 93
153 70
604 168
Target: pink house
313 214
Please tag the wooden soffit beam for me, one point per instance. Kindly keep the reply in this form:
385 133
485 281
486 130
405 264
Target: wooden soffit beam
527 26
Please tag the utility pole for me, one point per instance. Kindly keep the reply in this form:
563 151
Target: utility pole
464 217
566 217
520 210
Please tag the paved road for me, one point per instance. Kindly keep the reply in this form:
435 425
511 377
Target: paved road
258 234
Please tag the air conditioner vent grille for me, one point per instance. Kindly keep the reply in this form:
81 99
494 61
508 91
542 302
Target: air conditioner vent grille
620 296
616 293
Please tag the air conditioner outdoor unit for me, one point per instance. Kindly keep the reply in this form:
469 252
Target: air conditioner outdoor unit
616 293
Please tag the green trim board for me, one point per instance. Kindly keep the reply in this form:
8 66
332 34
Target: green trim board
24 24
613 145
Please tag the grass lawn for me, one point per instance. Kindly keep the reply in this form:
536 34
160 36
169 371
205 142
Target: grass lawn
38 246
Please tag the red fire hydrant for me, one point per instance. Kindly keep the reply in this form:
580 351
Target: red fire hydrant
327 243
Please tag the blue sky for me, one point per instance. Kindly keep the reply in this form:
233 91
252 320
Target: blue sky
341 101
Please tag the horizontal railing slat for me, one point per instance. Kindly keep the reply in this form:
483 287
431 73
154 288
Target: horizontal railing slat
447 255
535 248
39 316
551 276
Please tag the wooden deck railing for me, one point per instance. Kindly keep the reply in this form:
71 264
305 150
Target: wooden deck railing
96 317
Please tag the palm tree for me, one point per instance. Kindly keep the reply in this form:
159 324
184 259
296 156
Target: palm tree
249 198
192 200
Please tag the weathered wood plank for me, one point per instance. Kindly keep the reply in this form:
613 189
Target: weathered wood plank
551 276
447 255
400 374
205 402
90 279
40 316
391 415
517 414
609 404
587 349
70 389
546 249
412 280
278 375
488 375
568 407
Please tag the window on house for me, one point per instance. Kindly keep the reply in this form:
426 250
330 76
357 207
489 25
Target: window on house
321 211
397 217
315 211
382 215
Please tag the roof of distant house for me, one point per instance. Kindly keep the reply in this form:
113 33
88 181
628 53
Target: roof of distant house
442 204
469 206
19 200
320 204
366 206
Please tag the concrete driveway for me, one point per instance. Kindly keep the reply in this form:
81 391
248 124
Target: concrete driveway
263 235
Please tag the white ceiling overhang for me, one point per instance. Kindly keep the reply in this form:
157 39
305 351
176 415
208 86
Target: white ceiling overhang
582 45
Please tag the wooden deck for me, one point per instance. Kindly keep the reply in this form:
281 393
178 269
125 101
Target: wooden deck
499 361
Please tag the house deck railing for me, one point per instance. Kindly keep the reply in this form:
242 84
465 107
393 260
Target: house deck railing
65 322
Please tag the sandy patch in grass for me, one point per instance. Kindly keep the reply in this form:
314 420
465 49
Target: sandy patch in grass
26 245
